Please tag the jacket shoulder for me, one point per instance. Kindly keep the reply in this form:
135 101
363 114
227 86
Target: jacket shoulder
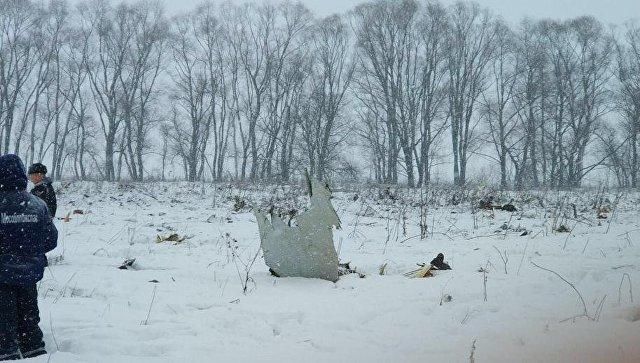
22 203
37 203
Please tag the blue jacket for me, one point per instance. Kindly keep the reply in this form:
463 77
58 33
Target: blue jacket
27 231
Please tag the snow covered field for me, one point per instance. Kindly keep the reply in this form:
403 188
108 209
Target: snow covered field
184 301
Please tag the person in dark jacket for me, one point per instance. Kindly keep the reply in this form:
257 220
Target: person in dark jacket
43 188
27 232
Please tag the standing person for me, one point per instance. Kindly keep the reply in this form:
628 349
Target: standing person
43 188
27 232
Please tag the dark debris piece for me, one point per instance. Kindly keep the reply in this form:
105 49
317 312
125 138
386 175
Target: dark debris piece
345 269
439 264
273 273
127 264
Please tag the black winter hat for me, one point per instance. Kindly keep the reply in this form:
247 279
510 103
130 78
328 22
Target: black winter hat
37 168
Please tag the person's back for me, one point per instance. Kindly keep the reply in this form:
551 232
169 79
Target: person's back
26 234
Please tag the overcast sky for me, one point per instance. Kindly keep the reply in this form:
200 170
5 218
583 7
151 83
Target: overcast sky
608 11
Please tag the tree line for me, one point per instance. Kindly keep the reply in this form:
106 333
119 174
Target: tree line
260 91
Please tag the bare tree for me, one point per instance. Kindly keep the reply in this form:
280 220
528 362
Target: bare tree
616 154
372 133
401 83
433 93
18 23
110 32
231 53
284 118
579 53
628 95
470 41
289 70
497 106
192 95
254 91
530 90
594 48
390 58
57 95
253 40
323 127
376 32
220 76
139 82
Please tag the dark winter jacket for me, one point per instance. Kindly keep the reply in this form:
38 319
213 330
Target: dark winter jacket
45 192
27 231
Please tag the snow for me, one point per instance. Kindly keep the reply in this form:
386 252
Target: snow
197 311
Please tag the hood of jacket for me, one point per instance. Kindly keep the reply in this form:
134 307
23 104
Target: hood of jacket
12 173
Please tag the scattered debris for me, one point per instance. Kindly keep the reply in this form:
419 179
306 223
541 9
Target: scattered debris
174 237
239 203
127 264
427 270
383 269
423 272
367 212
439 264
345 269
506 227
488 204
387 194
623 266
304 250
509 207
79 211
292 215
602 212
